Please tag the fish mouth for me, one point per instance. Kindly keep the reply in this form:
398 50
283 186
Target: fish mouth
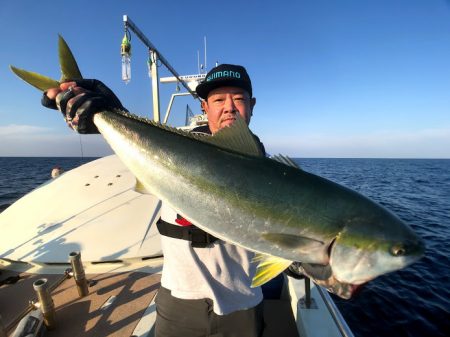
351 291
323 276
345 291
354 290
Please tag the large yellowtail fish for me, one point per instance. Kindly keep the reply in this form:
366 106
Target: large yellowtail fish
224 185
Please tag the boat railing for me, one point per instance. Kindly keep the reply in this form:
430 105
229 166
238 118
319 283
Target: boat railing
309 303
335 313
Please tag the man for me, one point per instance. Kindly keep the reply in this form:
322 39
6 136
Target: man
205 281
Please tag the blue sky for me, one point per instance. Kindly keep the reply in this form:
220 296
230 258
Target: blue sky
331 78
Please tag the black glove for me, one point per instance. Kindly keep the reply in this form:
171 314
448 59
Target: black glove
95 97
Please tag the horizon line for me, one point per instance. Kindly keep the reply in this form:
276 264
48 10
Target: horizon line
292 157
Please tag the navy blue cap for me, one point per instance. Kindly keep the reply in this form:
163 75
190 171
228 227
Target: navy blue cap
225 75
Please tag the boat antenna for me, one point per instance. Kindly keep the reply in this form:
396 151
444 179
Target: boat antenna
206 67
198 61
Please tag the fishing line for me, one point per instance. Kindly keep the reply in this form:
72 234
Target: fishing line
81 147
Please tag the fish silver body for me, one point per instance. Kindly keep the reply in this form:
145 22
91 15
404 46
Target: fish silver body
261 204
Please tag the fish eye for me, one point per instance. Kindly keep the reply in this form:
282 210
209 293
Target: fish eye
398 250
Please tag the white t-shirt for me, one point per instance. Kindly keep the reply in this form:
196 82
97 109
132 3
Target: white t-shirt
221 272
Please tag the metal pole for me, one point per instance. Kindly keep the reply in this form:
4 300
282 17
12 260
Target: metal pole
307 293
186 121
206 67
166 117
155 85
130 24
46 303
78 274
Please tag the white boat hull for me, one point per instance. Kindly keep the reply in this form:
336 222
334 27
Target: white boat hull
93 209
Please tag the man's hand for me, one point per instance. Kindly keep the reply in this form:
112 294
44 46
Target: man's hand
79 101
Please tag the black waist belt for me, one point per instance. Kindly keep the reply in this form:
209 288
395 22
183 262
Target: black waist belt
198 237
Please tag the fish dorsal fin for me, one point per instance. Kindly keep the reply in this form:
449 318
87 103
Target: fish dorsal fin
236 137
285 160
168 128
69 67
268 268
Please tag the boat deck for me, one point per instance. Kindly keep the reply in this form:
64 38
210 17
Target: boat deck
128 295
117 305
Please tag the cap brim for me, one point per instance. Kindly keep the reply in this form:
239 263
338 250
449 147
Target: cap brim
204 88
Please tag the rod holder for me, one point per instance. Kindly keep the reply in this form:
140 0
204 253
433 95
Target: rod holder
78 274
46 302
307 293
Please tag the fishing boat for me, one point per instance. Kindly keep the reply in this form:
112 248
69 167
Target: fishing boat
81 255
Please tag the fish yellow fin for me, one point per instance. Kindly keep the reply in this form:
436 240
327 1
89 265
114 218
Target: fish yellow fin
69 67
38 81
268 268
140 187
69 70
236 137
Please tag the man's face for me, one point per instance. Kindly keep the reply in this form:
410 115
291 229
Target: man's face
224 103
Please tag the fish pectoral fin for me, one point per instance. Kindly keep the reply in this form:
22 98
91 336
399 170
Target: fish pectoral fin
268 268
317 271
69 67
323 276
38 81
236 137
300 243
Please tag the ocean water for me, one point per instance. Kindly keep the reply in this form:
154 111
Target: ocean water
411 302
414 301
19 176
